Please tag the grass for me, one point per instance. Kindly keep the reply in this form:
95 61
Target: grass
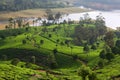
110 70
67 66
9 72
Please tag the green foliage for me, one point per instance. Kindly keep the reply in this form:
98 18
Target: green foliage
102 63
15 61
52 63
15 5
109 56
109 39
11 32
41 42
86 48
33 59
115 50
117 44
93 47
102 54
24 41
4 57
84 72
55 51
64 62
92 76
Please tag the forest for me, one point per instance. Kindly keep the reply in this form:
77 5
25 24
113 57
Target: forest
15 5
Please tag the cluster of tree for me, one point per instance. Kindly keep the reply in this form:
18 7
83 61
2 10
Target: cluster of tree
15 5
16 23
87 74
11 32
84 31
111 48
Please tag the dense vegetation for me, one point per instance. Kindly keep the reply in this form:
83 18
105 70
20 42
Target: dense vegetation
15 5
83 50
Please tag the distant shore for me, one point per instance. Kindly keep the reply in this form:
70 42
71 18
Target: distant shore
4 16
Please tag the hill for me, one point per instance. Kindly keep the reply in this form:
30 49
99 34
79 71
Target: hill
61 51
15 5
99 4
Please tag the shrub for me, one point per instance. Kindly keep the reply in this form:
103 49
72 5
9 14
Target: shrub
86 48
52 63
109 56
93 47
4 57
24 41
102 54
102 63
15 61
92 76
84 72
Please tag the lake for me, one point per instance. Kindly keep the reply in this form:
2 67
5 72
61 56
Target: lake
112 18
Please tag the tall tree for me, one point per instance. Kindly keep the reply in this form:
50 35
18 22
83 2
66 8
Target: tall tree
100 24
109 39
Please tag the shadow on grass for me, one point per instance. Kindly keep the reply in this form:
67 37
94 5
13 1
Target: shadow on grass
64 61
24 55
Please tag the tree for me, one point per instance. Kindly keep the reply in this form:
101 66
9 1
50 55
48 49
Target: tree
71 47
117 44
109 56
92 76
55 51
51 61
28 65
50 35
41 42
108 49
93 47
33 59
67 42
115 50
49 14
109 39
102 54
24 41
102 63
57 16
11 20
4 57
100 25
84 72
75 57
57 41
86 48
15 61
19 22
14 24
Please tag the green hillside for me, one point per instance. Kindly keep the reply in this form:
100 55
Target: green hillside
66 51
